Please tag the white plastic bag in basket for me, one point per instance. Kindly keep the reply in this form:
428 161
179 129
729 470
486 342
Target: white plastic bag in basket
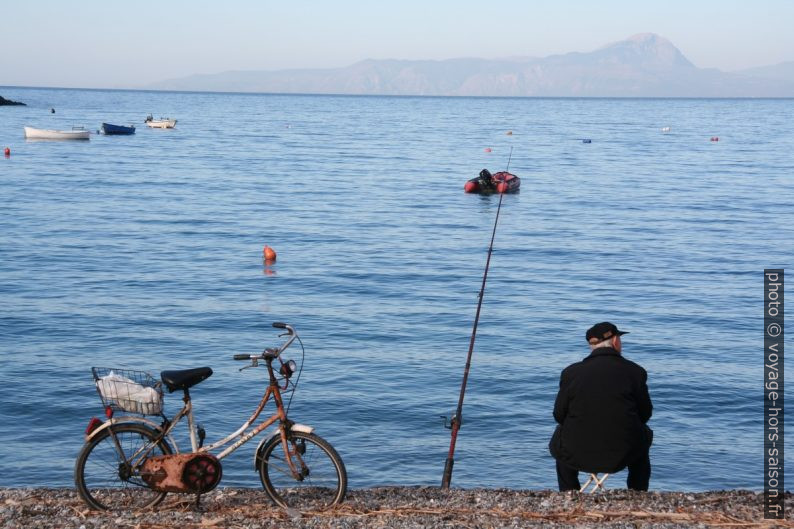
128 394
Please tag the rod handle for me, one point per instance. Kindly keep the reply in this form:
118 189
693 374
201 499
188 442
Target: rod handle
447 473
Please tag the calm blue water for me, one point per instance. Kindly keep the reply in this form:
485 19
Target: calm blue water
145 251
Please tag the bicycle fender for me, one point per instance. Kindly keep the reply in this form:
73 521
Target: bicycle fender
260 449
303 428
142 420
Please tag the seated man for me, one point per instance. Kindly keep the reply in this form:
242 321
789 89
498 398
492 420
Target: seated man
486 181
602 407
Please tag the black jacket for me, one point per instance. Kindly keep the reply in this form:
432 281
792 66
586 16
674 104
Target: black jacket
602 407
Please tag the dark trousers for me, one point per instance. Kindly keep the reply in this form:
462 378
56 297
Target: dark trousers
639 475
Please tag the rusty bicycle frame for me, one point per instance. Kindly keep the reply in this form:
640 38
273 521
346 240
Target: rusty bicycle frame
273 389
298 468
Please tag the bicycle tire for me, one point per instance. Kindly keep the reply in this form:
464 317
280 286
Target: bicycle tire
324 478
105 480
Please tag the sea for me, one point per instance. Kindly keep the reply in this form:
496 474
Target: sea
145 252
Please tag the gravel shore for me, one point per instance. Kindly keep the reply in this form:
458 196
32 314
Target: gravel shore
401 507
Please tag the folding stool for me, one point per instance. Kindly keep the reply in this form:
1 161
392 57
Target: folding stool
597 483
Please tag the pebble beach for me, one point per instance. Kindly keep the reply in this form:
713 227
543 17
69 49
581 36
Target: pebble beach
400 507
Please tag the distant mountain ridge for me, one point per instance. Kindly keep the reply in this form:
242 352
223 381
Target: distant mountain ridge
644 65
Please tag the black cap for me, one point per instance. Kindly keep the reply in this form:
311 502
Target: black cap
602 331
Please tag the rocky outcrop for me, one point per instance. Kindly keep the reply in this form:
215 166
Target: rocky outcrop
7 102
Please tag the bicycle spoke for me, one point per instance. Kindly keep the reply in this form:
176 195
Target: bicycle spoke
104 477
322 479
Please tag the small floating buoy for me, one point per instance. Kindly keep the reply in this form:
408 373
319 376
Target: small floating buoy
269 254
52 111
715 138
487 149
587 140
665 129
509 133
7 152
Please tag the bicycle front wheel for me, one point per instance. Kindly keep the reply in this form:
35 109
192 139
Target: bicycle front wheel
321 479
107 470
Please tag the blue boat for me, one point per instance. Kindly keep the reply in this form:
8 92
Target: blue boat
108 128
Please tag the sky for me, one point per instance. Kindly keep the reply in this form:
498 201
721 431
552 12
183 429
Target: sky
132 43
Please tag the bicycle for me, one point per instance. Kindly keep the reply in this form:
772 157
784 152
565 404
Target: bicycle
132 461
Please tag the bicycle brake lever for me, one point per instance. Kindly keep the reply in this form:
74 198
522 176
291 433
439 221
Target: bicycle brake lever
254 363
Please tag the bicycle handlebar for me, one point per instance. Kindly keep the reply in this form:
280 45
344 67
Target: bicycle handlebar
272 352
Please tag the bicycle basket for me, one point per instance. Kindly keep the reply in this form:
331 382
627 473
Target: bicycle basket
129 390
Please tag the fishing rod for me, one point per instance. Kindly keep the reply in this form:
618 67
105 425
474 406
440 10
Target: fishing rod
457 420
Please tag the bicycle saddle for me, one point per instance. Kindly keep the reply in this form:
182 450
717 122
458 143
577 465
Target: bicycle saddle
184 378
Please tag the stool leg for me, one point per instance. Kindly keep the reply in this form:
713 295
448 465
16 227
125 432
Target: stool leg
597 483
600 482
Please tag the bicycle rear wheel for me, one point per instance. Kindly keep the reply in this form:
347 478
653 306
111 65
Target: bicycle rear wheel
322 479
105 474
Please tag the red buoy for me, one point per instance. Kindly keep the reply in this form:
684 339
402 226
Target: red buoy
715 138
487 149
7 152
269 254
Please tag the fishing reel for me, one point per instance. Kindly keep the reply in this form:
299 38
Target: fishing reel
449 422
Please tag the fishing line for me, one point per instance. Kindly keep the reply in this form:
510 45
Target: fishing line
456 420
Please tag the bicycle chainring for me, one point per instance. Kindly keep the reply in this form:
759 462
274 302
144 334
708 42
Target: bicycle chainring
202 473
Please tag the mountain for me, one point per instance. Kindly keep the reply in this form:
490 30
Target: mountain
645 65
779 72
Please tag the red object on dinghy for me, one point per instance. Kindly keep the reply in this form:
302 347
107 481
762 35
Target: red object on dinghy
501 182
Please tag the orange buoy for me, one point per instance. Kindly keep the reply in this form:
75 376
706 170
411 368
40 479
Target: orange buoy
269 254
7 152
487 149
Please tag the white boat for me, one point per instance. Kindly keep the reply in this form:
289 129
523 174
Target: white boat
162 123
77 133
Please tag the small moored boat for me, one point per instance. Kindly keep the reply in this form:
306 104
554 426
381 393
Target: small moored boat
77 133
162 123
109 128
501 182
